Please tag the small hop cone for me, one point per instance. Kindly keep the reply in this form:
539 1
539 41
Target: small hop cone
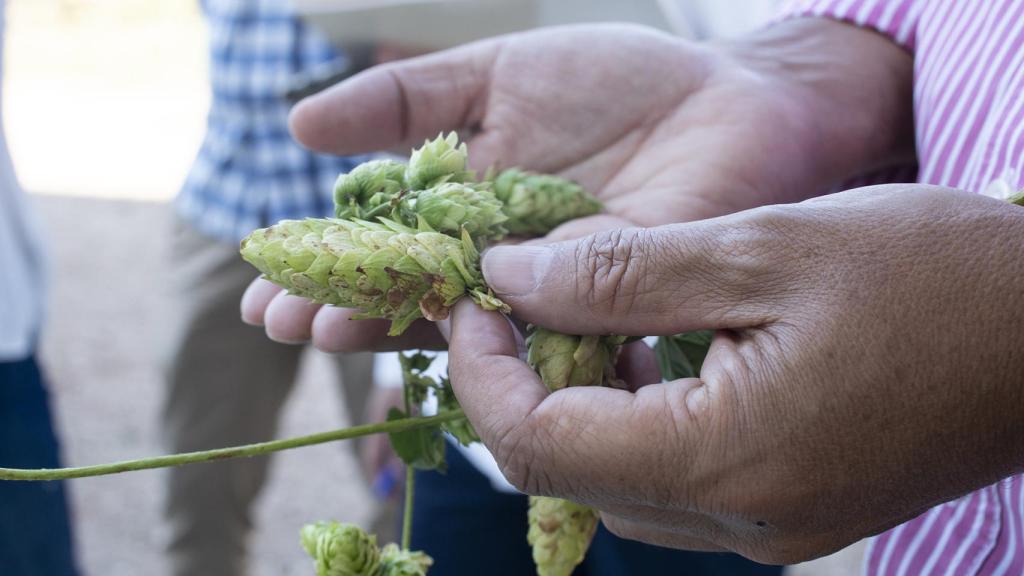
537 203
341 550
560 533
438 161
562 360
1017 198
451 207
385 269
369 189
398 562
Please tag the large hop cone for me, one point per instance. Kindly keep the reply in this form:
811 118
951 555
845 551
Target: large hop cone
560 533
385 269
452 207
562 360
369 189
438 161
537 203
398 562
341 550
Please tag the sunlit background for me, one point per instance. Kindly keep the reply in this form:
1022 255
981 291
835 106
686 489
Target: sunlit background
104 109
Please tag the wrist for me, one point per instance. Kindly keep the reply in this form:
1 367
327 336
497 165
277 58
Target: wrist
847 92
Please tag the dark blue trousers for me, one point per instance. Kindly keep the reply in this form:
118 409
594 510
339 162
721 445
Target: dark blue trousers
470 529
35 533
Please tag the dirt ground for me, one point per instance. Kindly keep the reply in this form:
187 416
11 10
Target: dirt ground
101 350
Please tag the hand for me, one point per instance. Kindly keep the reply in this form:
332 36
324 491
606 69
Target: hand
866 367
661 129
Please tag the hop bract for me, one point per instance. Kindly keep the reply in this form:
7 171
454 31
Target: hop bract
438 161
563 360
398 562
537 203
341 550
560 533
450 208
368 189
384 269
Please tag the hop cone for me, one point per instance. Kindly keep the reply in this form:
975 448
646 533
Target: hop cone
563 360
440 160
386 270
1017 198
341 550
368 190
537 203
560 533
450 207
398 562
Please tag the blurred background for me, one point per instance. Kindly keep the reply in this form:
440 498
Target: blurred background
105 105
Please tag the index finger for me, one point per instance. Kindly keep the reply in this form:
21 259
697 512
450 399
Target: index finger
398 103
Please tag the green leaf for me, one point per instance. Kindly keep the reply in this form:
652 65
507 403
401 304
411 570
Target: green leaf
422 448
682 355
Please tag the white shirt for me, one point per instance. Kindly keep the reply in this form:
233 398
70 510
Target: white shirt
21 269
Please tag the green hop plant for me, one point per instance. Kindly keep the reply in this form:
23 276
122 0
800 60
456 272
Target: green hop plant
384 269
563 360
398 562
369 189
341 549
440 160
560 533
537 203
451 207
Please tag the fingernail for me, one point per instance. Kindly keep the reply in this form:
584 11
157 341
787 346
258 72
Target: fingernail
515 270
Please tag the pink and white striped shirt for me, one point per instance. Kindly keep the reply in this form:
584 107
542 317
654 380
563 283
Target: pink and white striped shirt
969 114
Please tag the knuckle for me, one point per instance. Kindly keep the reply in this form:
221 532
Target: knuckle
611 269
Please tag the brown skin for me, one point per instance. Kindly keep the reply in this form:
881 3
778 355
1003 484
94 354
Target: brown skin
867 365
867 368
661 129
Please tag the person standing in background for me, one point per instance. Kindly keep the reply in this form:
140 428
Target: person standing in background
35 529
226 383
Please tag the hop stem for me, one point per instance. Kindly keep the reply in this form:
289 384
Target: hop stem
245 451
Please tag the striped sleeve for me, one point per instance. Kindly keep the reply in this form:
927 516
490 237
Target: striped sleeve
896 19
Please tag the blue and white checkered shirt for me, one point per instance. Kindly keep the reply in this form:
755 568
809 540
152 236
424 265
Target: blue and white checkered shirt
249 172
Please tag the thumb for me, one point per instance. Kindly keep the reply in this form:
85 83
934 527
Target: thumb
643 281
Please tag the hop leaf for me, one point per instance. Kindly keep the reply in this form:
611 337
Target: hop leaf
562 360
341 550
682 355
537 203
438 161
369 189
386 270
398 562
560 533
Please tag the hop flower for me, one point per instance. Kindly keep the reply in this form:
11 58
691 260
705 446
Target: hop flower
369 189
563 360
560 533
341 550
398 562
385 269
450 207
537 203
438 161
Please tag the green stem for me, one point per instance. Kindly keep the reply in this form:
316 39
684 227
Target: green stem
410 488
247 450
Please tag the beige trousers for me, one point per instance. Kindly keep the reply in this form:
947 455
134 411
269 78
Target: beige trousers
226 384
